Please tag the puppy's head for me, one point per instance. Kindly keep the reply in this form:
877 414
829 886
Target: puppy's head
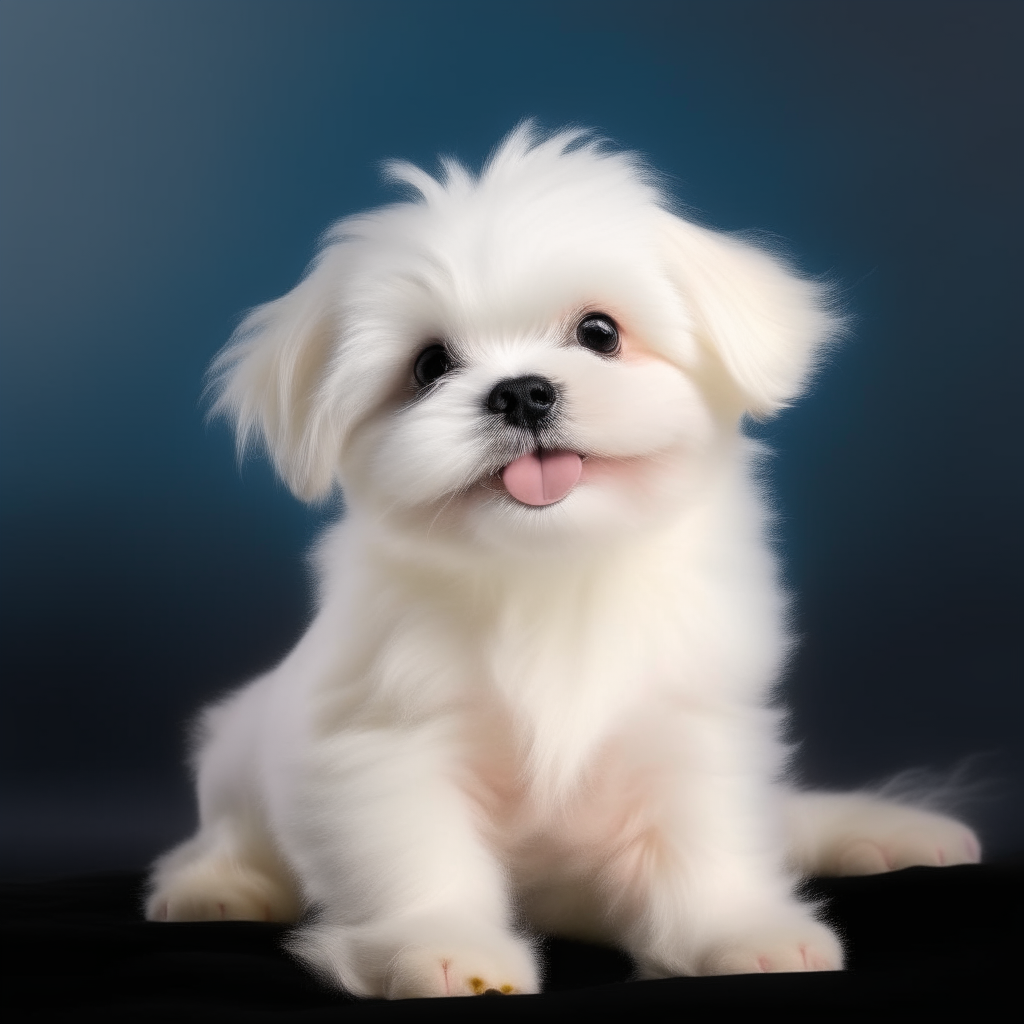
541 353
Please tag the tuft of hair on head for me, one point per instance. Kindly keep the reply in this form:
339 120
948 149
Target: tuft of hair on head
521 154
417 180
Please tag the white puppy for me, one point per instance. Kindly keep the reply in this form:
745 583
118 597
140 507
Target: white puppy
537 691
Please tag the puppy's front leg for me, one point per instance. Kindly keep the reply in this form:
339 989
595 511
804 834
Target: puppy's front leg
706 889
411 902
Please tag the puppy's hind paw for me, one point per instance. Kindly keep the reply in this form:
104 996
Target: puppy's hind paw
221 890
865 834
923 839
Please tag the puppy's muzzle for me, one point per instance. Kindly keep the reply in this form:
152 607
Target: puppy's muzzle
524 401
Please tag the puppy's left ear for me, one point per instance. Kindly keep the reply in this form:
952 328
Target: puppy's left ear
764 323
269 382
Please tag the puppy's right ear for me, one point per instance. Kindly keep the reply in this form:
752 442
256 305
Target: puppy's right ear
269 382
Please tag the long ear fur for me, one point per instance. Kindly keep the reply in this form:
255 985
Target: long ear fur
764 323
269 382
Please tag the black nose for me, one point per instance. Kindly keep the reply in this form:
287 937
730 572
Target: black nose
523 401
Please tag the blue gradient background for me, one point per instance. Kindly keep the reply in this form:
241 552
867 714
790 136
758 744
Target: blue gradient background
166 165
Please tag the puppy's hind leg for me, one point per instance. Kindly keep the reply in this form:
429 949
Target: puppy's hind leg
864 834
702 886
230 870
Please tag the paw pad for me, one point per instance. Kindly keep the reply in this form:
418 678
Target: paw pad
479 987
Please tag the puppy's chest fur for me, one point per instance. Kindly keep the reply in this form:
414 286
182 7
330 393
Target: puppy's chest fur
569 696
546 823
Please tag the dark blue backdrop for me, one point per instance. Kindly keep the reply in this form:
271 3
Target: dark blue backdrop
168 164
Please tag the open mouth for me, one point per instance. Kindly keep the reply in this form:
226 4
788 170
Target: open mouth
542 477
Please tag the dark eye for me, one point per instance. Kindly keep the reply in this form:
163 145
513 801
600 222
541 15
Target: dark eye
431 364
598 333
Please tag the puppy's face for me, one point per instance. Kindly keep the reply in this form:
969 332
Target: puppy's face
529 404
539 356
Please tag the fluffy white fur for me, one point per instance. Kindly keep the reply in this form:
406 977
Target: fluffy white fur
508 718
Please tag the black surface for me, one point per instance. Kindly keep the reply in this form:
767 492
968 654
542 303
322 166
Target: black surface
923 944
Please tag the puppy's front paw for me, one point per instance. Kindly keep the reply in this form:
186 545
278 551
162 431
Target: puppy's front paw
419 959
806 946
445 969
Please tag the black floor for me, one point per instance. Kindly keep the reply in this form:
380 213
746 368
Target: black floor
923 944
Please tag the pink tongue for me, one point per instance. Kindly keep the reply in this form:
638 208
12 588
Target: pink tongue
542 478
